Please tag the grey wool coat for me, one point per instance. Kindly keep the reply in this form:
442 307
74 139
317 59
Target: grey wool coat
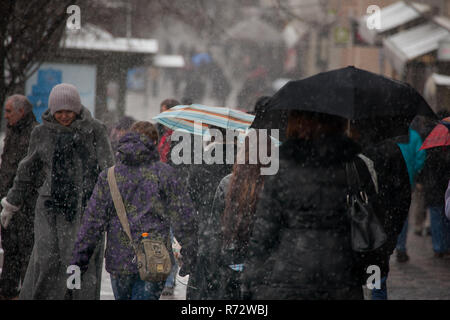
46 276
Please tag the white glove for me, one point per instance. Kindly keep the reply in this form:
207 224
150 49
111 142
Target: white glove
7 213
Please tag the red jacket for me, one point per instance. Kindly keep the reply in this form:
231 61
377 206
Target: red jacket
164 146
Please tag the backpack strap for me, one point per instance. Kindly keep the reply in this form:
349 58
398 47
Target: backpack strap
118 202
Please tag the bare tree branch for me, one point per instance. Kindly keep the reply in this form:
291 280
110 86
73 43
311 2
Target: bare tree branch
30 31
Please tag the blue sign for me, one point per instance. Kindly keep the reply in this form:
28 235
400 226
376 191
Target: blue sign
136 79
47 79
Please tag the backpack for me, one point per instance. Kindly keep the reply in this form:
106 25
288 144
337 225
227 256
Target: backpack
153 258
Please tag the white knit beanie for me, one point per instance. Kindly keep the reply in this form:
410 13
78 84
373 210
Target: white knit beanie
64 96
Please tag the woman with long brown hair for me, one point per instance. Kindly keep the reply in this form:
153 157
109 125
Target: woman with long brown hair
230 222
300 245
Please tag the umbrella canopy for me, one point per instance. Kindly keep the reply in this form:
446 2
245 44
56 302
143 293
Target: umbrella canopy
439 136
255 30
184 117
350 93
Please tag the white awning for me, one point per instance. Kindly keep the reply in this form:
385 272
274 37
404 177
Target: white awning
440 79
413 43
254 29
91 37
391 17
169 61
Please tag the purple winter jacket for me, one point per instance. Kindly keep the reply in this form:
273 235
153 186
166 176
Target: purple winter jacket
154 198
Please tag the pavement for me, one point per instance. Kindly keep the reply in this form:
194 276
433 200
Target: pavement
179 293
106 292
423 277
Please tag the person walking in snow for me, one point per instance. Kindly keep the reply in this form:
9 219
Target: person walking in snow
155 200
66 153
17 239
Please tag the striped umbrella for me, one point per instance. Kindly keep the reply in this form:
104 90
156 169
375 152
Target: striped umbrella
196 118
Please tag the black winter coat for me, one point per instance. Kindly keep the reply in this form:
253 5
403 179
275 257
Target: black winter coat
300 246
436 171
15 148
223 283
203 180
394 198
435 175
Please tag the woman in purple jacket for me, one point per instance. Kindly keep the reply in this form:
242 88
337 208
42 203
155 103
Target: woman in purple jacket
154 198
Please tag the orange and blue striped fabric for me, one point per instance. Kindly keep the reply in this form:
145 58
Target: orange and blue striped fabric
184 116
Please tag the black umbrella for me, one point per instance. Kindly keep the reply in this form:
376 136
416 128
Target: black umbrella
350 93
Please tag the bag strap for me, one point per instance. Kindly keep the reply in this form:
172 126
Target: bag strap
120 207
370 166
118 202
354 183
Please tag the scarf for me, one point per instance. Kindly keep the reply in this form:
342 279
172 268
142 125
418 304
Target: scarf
64 190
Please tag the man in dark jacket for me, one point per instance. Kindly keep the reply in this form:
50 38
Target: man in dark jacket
17 239
394 197
434 178
203 180
397 162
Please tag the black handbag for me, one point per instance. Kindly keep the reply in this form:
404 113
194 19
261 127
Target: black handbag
367 231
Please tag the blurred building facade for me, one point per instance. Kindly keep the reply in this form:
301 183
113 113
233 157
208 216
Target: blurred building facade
300 39
325 35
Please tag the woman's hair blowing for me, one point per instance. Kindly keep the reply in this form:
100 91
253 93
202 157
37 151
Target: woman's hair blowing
242 197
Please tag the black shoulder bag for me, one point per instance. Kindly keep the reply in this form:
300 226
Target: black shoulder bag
367 231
